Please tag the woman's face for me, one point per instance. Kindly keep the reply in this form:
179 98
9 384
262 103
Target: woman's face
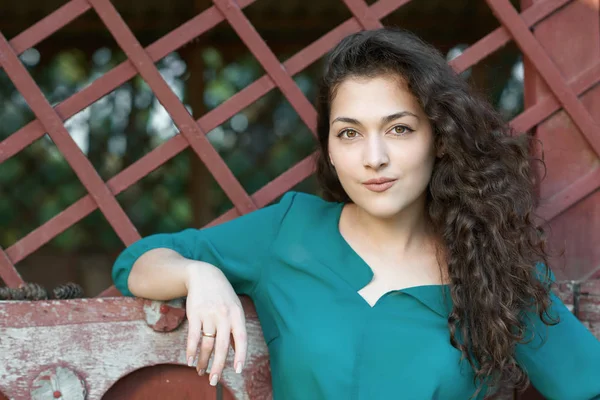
379 133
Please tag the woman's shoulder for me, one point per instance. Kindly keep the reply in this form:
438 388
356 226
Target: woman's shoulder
300 201
307 221
305 208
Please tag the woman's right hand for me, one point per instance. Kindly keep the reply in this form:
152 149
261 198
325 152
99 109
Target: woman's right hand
213 307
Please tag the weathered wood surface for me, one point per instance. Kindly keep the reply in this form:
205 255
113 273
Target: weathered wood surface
100 341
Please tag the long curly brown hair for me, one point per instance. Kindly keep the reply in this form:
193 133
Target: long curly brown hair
480 199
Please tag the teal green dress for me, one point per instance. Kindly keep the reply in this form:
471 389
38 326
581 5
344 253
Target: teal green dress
326 342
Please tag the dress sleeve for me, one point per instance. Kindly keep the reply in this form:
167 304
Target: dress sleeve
562 360
237 247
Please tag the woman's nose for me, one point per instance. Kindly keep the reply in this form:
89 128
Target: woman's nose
376 154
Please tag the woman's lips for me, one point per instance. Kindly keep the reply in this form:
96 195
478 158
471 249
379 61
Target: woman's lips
379 186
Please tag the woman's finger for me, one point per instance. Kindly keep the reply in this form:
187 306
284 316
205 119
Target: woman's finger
221 350
240 338
193 337
206 345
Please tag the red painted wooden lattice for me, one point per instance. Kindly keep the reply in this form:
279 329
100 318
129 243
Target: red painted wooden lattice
102 195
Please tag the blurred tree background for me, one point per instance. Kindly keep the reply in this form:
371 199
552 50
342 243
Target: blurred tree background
258 143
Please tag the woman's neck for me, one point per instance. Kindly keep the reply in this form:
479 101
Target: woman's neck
405 232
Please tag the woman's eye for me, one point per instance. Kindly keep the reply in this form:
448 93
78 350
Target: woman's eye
349 133
401 130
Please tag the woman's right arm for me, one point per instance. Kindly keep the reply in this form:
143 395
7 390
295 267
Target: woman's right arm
160 274
212 305
209 266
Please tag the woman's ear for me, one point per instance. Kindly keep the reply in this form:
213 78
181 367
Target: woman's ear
331 161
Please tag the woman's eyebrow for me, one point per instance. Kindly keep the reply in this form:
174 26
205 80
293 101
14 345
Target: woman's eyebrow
346 120
390 118
384 120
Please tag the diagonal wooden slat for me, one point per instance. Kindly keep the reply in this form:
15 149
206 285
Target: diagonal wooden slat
509 17
571 195
548 105
363 15
181 117
73 155
275 188
8 272
501 36
48 25
51 228
270 63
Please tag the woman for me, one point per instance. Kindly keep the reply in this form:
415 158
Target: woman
420 275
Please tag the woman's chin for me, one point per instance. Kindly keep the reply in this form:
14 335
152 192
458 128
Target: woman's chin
383 208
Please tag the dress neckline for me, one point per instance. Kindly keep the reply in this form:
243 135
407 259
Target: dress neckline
354 269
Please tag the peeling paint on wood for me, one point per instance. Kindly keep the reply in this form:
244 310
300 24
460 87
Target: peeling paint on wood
164 316
100 341
103 349
22 314
58 383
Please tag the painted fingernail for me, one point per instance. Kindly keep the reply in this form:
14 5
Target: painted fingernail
190 361
214 379
201 372
238 368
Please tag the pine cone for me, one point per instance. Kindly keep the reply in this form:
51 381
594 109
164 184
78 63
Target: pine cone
33 291
5 293
17 294
69 290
